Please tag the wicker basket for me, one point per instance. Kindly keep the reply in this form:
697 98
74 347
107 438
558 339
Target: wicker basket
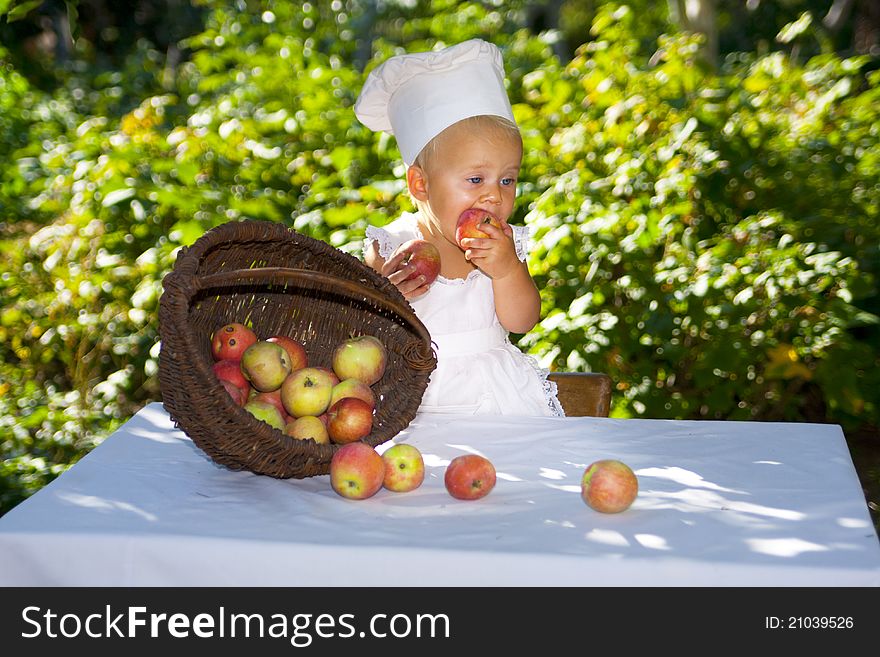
280 282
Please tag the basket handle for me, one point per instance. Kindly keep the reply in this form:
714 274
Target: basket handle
414 356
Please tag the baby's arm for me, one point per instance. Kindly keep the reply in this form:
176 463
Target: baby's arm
517 301
399 275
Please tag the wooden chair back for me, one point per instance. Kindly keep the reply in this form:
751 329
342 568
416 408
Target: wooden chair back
583 394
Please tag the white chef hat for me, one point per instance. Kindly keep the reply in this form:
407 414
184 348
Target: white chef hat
417 96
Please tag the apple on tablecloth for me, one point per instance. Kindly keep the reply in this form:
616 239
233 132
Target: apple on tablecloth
609 486
469 477
404 468
356 471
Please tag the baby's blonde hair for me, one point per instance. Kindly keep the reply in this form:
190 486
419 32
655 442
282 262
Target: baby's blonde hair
487 126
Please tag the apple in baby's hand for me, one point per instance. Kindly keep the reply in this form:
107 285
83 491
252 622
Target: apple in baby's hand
230 370
307 391
469 477
265 365
469 223
265 412
362 358
231 340
424 258
349 419
353 388
609 486
404 468
306 427
356 471
294 349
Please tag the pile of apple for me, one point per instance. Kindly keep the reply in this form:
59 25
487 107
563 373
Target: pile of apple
272 380
357 472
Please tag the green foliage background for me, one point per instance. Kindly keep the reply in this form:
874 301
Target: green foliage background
707 236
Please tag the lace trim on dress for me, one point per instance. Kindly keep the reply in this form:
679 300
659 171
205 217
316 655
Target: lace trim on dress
521 241
551 390
383 237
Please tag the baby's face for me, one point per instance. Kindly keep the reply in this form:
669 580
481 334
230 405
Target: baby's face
471 169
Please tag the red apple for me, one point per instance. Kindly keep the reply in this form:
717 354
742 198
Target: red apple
353 388
294 349
609 486
231 340
356 471
265 412
349 419
307 427
424 257
307 391
404 468
230 370
238 395
362 358
468 224
469 477
265 365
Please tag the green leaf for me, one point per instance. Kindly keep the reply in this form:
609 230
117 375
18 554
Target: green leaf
794 29
20 11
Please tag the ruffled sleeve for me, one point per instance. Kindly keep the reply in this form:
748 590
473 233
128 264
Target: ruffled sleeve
390 236
521 241
382 238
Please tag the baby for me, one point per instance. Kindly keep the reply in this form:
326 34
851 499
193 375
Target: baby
455 129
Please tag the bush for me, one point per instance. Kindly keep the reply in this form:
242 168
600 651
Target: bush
710 240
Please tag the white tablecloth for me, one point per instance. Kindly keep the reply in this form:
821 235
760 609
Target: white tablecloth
720 504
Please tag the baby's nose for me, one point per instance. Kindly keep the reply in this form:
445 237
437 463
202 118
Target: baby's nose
492 194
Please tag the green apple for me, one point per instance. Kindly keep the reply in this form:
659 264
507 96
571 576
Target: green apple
353 388
307 391
404 468
266 412
308 427
363 358
266 365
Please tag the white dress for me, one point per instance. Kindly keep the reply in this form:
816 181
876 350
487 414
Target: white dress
479 371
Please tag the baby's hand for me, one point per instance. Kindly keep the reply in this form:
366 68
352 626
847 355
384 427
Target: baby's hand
495 255
402 276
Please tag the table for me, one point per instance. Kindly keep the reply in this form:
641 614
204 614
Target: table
720 504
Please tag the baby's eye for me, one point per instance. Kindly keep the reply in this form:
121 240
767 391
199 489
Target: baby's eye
508 181
475 180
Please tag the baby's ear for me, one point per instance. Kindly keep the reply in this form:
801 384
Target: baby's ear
417 183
